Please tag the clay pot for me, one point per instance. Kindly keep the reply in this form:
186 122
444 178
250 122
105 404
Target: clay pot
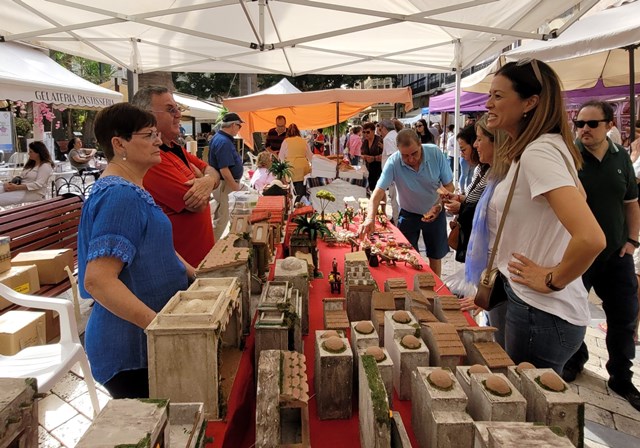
410 341
497 385
376 352
364 327
440 379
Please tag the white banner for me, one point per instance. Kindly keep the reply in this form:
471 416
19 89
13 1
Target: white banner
6 132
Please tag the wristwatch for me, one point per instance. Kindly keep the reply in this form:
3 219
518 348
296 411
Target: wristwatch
547 281
633 242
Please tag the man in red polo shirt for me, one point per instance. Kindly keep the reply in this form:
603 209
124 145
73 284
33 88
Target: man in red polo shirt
181 184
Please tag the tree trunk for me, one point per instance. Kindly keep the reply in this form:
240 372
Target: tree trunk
88 135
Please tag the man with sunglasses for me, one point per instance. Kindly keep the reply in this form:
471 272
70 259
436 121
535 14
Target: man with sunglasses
609 180
181 184
224 157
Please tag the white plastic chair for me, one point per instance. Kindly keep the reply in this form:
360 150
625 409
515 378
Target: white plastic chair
49 363
253 159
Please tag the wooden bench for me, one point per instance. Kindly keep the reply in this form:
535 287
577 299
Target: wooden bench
48 224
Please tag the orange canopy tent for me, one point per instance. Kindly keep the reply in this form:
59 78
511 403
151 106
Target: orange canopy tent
309 110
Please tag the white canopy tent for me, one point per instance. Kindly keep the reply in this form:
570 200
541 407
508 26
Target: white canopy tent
28 74
197 109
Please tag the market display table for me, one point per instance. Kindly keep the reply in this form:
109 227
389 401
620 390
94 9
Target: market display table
239 428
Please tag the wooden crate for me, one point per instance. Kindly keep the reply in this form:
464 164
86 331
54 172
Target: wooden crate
187 343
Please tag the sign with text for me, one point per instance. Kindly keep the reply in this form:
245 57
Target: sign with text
6 131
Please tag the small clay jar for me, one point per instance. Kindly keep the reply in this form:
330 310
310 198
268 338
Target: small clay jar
524 366
410 341
440 379
497 385
402 317
376 352
364 327
329 333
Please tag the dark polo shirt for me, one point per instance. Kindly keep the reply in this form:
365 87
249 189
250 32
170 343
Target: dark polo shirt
609 184
274 140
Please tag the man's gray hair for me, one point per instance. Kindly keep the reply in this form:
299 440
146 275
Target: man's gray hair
387 124
143 97
228 124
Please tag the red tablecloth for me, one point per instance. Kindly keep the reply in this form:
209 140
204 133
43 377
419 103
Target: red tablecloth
239 430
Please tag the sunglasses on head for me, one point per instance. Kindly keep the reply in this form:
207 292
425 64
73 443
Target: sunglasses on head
534 66
591 123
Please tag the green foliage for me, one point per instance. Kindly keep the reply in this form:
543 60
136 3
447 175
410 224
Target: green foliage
326 195
96 72
281 169
311 226
214 86
378 392
23 127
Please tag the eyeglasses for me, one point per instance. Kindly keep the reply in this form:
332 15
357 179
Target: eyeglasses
419 125
239 125
367 132
534 66
151 135
175 111
591 123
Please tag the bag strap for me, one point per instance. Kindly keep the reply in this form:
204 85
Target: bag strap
573 173
504 216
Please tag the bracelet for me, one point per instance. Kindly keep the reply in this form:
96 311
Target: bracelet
548 282
633 242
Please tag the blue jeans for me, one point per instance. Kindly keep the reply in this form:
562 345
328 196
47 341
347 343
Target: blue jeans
535 336
466 173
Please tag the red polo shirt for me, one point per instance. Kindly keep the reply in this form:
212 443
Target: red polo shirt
192 231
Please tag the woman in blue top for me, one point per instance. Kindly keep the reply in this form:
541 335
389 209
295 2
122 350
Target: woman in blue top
126 259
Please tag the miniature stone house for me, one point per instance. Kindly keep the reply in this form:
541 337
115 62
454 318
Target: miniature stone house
358 287
207 319
262 250
228 258
282 400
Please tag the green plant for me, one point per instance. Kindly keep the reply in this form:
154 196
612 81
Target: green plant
281 169
311 226
325 197
23 127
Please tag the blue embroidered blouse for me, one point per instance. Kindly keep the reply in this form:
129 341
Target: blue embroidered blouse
121 220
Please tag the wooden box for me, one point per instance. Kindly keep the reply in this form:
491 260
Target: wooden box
190 341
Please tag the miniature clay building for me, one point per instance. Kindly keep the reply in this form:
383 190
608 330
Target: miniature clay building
445 346
385 367
228 259
425 284
207 319
333 377
358 287
397 286
334 313
129 423
260 240
282 411
278 325
445 303
482 349
295 271
18 412
550 401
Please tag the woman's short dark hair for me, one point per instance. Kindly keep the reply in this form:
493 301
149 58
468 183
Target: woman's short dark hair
426 136
120 120
468 134
72 143
368 126
41 149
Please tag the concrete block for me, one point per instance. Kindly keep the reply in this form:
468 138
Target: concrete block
445 346
481 434
563 409
485 404
373 407
399 436
362 340
464 377
333 377
535 436
513 374
295 271
405 361
385 366
449 429
394 327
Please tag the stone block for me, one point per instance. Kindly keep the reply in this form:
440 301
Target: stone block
445 346
399 436
534 436
358 287
449 429
373 407
18 412
394 329
563 409
295 271
333 377
489 404
481 434
361 340
381 302
513 375
385 366
489 354
308 258
405 361
464 378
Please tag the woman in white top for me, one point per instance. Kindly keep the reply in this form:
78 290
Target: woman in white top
33 181
262 176
550 237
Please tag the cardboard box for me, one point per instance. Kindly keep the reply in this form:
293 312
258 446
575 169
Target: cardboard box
51 264
23 279
21 329
5 253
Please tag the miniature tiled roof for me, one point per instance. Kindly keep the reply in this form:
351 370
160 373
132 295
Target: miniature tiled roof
423 315
396 283
493 355
294 378
449 302
446 336
224 254
273 205
455 318
383 300
307 210
259 215
426 280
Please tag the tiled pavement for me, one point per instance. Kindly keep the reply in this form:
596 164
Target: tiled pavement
66 412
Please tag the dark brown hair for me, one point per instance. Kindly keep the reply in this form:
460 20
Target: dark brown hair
41 149
120 120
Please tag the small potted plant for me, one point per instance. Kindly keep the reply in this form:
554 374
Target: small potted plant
306 234
281 169
325 197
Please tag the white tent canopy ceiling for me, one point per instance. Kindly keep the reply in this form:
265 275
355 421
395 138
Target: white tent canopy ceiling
292 37
28 74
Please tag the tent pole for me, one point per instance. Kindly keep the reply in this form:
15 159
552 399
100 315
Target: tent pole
632 94
456 115
336 138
